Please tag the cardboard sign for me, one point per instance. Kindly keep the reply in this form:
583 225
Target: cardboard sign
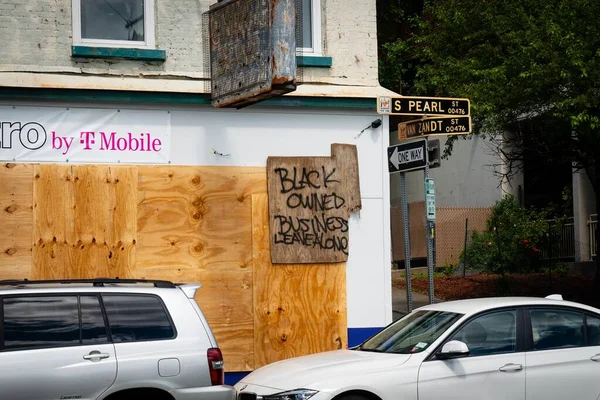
310 201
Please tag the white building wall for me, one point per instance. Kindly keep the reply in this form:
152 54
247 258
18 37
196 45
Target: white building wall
465 179
253 134
584 204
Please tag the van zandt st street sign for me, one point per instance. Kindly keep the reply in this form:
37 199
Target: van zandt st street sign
434 127
423 106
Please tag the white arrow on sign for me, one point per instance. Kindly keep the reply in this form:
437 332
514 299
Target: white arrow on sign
394 159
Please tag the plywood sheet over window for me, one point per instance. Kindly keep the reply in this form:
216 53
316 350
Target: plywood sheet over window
183 224
298 309
16 220
84 221
195 225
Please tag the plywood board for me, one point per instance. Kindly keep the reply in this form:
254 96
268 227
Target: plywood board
85 223
310 201
16 216
53 211
195 225
195 218
298 309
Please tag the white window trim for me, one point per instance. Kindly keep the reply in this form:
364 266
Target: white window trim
316 49
149 43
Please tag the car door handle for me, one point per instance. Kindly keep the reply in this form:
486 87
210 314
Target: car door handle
595 358
511 367
96 356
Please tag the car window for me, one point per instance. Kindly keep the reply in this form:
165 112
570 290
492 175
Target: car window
593 330
40 321
493 333
137 318
555 328
93 328
411 334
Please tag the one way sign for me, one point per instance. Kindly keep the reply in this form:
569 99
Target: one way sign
407 156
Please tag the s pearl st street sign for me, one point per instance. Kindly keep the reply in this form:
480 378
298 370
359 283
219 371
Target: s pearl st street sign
423 106
408 156
434 127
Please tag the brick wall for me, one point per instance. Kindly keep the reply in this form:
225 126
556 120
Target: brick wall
36 36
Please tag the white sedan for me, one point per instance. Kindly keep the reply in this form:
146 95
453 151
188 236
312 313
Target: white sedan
480 349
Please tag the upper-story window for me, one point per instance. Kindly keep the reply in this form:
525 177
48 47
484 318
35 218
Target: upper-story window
311 27
114 23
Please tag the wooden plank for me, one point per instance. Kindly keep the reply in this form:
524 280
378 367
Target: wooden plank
105 221
85 221
236 342
195 218
53 210
298 309
195 225
16 220
310 201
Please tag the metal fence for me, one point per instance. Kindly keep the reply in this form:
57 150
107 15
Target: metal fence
562 245
593 226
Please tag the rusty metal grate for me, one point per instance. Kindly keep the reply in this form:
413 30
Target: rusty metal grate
240 57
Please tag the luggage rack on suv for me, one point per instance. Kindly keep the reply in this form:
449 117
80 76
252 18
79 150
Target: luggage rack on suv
100 282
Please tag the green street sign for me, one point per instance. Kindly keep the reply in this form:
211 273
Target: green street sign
434 127
424 106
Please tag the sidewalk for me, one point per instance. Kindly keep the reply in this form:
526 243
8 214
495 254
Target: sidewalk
400 303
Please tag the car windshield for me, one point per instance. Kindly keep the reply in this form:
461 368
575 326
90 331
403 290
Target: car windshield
411 334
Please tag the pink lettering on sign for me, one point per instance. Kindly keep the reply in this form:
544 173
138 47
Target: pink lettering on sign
143 142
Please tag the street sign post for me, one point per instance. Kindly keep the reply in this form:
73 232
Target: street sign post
430 231
408 156
435 126
424 106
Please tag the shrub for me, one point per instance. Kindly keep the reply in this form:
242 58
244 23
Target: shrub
512 242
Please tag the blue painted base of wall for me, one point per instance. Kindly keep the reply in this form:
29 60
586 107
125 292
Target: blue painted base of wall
358 335
355 337
231 378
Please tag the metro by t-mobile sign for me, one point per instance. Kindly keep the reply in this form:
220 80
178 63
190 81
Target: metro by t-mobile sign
57 134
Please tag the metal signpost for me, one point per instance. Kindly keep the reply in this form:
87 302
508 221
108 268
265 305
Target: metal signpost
430 207
441 116
401 158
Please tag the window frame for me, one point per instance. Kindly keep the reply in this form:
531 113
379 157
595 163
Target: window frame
3 348
149 30
529 326
520 333
78 295
160 301
316 30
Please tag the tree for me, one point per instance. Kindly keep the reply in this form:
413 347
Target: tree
530 67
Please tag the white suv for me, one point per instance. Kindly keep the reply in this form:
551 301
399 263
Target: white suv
109 339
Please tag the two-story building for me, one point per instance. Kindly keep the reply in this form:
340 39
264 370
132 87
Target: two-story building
115 163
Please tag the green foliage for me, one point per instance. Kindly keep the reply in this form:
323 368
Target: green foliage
512 242
517 60
446 270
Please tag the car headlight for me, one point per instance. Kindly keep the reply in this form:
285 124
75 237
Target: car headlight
298 394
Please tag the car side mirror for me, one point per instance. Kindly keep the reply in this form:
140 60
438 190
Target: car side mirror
453 349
